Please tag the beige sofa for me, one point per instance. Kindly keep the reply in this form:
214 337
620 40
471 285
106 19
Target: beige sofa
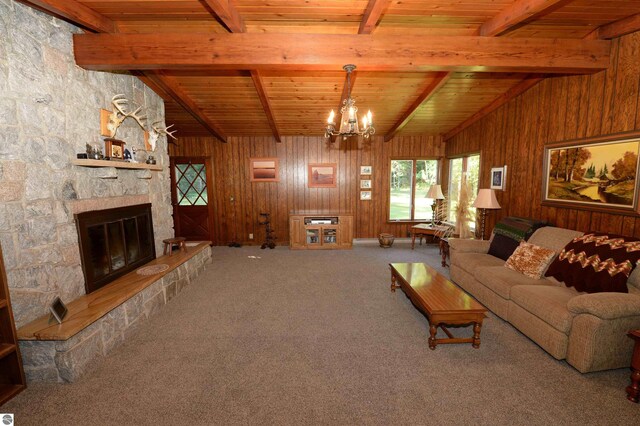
588 330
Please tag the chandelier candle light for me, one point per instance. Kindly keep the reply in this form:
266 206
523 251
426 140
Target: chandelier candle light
435 193
349 116
485 200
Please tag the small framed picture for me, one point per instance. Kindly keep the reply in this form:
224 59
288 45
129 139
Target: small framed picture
498 177
365 195
365 170
114 148
322 175
58 310
264 169
365 183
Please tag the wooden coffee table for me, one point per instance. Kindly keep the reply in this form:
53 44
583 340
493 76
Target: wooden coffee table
442 301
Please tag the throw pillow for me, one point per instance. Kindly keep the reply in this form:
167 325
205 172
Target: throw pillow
597 262
530 260
502 246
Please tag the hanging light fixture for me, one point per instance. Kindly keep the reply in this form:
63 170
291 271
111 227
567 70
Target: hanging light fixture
349 116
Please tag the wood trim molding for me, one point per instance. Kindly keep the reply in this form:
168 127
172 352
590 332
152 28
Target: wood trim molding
305 52
431 90
513 92
619 28
266 106
227 13
76 13
372 15
517 14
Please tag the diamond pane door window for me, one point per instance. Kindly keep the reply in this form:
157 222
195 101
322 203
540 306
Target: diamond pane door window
191 180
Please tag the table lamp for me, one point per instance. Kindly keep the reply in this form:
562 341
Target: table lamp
485 200
435 193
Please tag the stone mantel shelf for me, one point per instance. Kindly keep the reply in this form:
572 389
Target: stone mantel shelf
116 164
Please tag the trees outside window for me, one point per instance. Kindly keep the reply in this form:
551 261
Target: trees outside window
410 181
469 165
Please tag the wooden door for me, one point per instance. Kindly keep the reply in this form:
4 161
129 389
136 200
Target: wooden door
191 196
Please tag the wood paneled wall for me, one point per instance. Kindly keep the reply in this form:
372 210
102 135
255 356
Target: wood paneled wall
558 108
238 201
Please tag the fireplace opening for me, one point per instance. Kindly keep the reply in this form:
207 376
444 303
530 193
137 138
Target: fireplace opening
114 242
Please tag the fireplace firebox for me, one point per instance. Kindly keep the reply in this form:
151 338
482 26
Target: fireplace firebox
114 242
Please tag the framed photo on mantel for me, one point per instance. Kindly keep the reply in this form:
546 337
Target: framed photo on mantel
599 174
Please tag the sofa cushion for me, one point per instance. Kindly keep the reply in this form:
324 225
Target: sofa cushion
530 260
502 246
549 303
470 262
501 280
597 262
553 238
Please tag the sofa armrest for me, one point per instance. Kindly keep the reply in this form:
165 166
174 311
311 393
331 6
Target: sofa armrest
469 246
606 305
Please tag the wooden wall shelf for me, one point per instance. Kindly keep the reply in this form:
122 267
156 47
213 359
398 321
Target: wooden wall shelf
116 164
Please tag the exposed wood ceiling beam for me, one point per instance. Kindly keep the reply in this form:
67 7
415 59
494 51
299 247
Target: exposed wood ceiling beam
619 28
228 14
171 87
264 99
76 13
507 19
431 89
332 51
518 13
513 92
372 15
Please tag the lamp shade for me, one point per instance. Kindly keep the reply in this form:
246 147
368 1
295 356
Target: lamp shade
486 199
435 192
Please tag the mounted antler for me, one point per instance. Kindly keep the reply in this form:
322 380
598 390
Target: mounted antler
120 114
156 131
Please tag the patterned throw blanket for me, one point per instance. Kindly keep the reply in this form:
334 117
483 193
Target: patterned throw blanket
597 262
518 228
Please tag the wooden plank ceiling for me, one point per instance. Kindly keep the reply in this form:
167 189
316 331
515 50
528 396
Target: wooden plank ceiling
296 102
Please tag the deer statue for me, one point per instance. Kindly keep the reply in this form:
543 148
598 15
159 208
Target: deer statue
120 114
156 131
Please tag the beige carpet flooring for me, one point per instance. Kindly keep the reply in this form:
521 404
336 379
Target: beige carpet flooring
300 337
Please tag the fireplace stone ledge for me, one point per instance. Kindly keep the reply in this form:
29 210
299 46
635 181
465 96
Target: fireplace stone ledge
67 360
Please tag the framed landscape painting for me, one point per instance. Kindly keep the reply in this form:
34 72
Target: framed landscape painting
322 175
595 174
264 169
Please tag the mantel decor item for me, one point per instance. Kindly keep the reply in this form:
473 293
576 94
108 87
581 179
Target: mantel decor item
486 200
114 148
349 116
498 177
599 173
322 175
435 193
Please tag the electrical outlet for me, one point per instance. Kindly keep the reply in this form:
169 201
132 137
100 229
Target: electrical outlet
251 236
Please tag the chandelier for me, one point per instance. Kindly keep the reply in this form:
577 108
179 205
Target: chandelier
349 116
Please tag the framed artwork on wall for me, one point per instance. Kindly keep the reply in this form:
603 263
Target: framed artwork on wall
599 173
365 195
322 175
264 169
498 177
365 183
365 170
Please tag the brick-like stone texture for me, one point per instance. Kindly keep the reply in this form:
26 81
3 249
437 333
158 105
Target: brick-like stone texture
49 111
67 360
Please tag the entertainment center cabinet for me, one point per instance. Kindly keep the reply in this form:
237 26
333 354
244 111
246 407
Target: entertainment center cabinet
320 230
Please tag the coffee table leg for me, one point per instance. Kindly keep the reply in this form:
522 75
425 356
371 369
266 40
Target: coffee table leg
476 334
393 282
433 330
413 240
633 390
